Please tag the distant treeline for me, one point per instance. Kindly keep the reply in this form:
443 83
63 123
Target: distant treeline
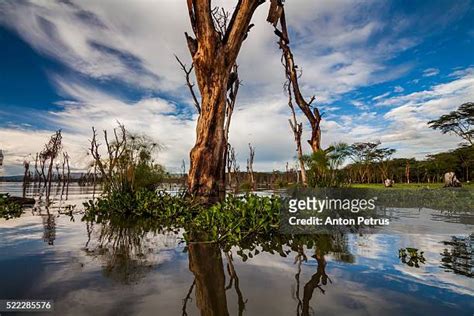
408 170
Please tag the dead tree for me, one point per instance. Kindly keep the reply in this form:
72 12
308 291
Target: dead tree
66 169
66 174
115 149
58 175
50 153
36 168
214 49
26 165
63 167
407 171
42 167
233 89
230 158
276 16
233 168
297 129
250 166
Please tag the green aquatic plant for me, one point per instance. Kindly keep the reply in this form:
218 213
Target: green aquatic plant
234 219
9 210
237 217
411 257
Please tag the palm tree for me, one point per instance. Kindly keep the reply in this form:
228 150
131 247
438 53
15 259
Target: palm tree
323 164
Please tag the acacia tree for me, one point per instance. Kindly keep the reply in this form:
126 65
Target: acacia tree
214 49
382 156
459 122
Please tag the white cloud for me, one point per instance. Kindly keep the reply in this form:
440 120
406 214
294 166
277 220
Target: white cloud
430 72
407 122
386 94
340 46
359 105
398 89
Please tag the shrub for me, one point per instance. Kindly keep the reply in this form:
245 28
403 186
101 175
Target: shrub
8 209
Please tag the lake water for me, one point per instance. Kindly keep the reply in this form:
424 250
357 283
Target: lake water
88 269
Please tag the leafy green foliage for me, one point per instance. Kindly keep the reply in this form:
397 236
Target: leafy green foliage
237 218
9 209
324 166
234 219
459 122
411 257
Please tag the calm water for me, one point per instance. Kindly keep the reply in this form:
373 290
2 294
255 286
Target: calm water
95 270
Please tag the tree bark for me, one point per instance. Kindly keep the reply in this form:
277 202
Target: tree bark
214 54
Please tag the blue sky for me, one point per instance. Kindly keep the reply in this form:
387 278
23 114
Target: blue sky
379 69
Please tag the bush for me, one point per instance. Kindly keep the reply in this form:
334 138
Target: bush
234 219
8 209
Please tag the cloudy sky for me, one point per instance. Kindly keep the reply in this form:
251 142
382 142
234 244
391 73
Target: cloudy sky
379 69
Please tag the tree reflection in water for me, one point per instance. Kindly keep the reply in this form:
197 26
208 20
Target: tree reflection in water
205 262
459 257
127 252
336 245
124 248
49 228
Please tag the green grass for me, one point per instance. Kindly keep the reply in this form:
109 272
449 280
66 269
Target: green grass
406 186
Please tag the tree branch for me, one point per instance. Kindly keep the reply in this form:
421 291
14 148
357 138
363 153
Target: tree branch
190 85
277 14
239 26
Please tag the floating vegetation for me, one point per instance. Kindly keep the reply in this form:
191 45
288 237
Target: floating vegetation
234 219
8 209
411 257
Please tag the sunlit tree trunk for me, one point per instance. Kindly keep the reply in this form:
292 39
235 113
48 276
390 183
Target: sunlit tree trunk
214 51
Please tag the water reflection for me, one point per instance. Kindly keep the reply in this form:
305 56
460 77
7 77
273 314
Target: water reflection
126 251
125 248
116 267
205 262
49 225
459 256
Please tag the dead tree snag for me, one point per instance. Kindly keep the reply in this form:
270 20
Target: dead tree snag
297 129
214 50
276 16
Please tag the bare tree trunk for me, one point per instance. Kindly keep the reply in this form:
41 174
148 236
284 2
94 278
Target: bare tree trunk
26 164
36 168
407 171
214 52
297 129
277 15
231 162
250 167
